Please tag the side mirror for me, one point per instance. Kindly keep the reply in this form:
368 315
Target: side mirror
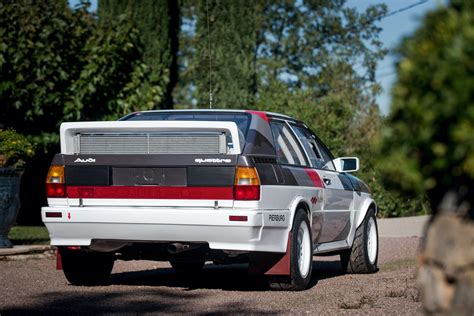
346 164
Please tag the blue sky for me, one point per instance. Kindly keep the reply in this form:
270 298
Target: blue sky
394 28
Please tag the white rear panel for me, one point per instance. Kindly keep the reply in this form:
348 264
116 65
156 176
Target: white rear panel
70 142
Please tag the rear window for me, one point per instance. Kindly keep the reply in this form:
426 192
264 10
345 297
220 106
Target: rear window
241 119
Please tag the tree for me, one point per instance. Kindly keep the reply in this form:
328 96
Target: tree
299 43
223 62
159 24
302 42
428 146
59 64
39 60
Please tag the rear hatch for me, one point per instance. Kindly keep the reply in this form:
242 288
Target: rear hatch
150 163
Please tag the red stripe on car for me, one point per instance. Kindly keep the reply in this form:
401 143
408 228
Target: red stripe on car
315 178
148 192
259 113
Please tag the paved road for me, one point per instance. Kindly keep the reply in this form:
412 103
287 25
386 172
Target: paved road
34 285
403 226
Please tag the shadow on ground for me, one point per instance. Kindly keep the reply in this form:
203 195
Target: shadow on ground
162 290
233 277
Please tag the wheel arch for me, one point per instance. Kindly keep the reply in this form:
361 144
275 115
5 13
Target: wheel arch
368 204
300 202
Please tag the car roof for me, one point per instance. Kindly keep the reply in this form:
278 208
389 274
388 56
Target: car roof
273 114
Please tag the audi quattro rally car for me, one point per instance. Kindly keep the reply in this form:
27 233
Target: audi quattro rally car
192 186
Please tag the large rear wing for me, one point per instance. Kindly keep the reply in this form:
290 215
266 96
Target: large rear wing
104 134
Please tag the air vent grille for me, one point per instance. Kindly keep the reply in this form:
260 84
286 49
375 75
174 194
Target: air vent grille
264 160
152 143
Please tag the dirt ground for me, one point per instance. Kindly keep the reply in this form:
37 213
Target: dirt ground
138 287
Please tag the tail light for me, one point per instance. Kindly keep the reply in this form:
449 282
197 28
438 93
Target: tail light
246 184
55 186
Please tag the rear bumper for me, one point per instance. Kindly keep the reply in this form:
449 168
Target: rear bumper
78 226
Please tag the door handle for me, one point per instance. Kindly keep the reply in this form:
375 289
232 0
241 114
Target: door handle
327 181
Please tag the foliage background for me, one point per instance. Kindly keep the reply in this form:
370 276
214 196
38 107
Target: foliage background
59 64
428 138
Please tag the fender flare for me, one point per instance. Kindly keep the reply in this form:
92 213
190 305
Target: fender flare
294 207
364 208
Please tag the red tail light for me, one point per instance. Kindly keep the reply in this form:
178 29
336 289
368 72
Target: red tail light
250 192
55 186
246 184
55 190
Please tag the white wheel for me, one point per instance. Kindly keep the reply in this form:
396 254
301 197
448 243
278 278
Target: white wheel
304 249
372 240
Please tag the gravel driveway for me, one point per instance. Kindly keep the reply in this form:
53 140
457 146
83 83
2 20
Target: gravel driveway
34 285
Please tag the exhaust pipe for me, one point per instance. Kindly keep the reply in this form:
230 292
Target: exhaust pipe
177 247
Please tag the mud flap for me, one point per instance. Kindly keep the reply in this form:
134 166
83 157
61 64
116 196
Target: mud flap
59 263
269 263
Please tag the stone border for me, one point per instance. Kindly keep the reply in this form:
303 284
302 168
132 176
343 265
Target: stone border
25 251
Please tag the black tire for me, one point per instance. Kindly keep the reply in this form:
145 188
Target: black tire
356 259
187 267
297 280
86 267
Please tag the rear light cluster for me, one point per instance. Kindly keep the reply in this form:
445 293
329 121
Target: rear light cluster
55 186
246 184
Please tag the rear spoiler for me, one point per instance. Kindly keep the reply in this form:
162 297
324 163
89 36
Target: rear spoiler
68 131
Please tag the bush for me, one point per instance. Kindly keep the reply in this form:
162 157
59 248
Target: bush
15 148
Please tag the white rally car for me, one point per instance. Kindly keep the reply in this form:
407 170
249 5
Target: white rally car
193 186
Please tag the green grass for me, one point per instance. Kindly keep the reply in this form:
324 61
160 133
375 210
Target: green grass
29 235
399 264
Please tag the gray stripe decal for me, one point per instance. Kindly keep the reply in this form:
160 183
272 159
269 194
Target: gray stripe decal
346 182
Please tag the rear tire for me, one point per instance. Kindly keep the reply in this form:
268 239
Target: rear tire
86 268
301 257
187 267
363 256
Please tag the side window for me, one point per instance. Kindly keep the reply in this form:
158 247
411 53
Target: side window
319 152
309 145
326 155
287 148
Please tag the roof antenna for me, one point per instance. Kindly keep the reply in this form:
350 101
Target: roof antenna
210 58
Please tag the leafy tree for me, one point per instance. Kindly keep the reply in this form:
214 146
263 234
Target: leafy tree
57 64
60 64
39 60
114 80
299 43
158 23
230 49
428 143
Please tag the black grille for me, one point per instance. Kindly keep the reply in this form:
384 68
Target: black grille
264 160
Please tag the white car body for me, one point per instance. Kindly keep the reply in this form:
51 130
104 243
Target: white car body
118 195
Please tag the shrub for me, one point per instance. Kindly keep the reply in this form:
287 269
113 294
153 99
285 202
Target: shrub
15 148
